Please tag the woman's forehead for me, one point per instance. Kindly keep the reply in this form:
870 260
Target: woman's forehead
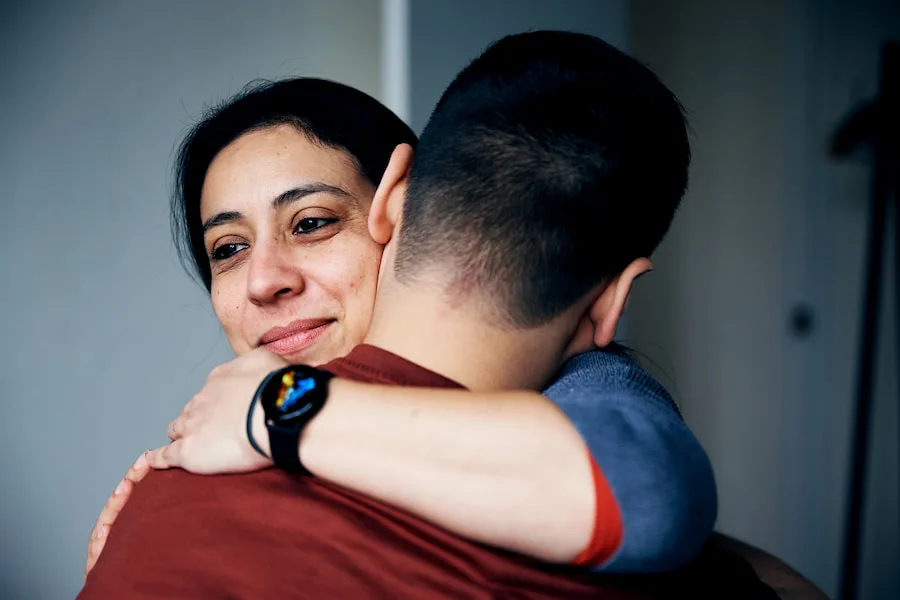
263 164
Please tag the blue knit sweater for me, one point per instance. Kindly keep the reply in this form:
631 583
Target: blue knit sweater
659 473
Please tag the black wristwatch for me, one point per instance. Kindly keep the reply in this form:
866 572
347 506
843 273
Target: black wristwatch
290 397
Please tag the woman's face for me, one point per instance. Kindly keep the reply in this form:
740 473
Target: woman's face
293 267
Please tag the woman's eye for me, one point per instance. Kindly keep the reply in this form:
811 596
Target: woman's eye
227 251
311 224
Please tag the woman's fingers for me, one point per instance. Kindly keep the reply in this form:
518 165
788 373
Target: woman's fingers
139 469
95 547
107 517
113 507
166 457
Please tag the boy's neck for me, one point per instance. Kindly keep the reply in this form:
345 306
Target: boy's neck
458 343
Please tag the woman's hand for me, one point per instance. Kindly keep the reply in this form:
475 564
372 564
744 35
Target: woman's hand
112 509
210 435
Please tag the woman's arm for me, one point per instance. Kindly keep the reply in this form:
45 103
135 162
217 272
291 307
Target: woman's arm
506 469
514 469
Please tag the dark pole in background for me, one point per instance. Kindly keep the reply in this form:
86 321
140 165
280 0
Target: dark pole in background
876 124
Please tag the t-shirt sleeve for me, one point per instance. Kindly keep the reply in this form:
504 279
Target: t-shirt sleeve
606 538
658 474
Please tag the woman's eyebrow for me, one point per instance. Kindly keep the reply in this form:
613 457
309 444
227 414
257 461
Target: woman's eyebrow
282 199
294 194
222 218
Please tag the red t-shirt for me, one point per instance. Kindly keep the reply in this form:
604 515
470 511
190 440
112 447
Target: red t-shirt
270 534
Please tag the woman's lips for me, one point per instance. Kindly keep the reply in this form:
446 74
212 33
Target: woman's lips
297 336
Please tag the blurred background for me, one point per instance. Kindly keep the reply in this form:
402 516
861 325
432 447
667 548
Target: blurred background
752 317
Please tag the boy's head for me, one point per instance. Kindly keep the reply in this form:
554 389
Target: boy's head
551 163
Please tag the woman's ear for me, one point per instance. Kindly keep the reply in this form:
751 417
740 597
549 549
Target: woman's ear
608 307
387 204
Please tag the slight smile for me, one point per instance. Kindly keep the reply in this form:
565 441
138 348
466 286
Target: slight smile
294 337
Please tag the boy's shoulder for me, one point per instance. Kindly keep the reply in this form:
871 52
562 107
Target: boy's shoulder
609 372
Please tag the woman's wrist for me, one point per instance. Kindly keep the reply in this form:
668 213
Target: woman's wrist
316 430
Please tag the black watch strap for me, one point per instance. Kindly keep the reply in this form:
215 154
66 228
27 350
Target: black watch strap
290 398
285 449
250 424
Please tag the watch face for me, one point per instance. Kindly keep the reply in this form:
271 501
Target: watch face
293 395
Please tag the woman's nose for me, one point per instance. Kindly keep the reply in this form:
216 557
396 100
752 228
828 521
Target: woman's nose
272 274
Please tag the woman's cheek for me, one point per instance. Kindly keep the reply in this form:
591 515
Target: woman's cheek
362 285
228 309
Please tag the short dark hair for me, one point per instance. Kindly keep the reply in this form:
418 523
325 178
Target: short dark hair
549 164
330 113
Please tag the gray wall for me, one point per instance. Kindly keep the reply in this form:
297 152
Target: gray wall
104 337
771 222
445 36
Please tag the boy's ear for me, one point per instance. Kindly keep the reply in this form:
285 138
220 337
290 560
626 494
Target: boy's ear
387 204
607 309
